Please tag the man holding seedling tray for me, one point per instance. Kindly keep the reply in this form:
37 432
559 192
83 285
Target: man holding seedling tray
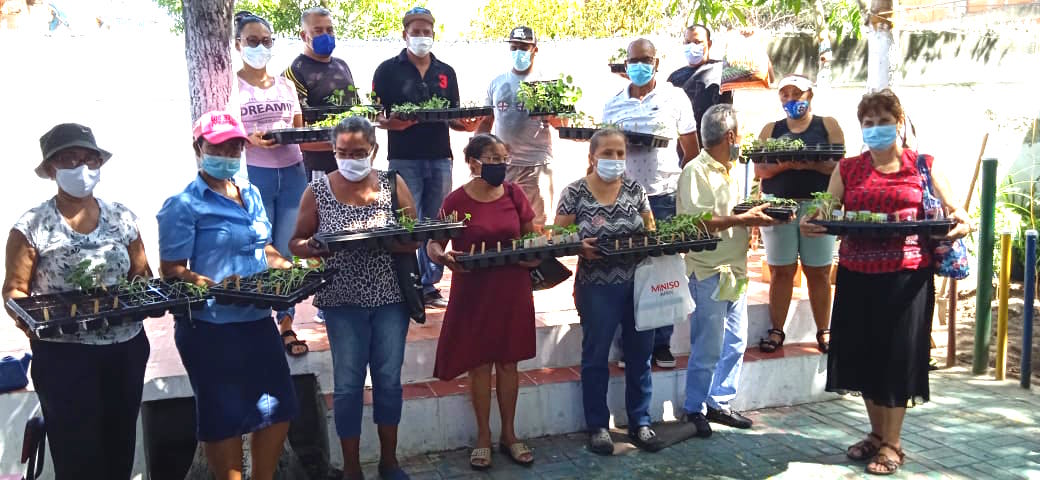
718 278
215 229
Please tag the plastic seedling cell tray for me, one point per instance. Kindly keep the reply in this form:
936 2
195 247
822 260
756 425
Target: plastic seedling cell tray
617 67
779 212
508 255
263 292
811 153
440 115
59 313
287 136
559 111
314 114
634 247
887 229
383 237
576 133
633 138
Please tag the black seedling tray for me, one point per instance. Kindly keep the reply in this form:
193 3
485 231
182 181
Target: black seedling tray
642 246
887 229
154 301
286 136
441 115
778 212
228 293
508 256
560 111
316 114
811 153
633 138
617 67
383 237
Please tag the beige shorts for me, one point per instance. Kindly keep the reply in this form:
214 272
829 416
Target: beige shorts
536 182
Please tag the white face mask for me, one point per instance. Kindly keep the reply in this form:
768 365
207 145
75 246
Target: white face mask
420 46
609 169
354 169
256 57
694 53
78 182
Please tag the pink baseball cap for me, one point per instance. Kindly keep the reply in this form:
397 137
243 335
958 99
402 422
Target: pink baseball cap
218 127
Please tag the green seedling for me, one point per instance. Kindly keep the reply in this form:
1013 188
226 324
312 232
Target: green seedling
685 226
83 276
620 56
367 111
552 96
341 96
434 103
406 222
778 145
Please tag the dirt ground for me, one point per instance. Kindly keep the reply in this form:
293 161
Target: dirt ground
966 301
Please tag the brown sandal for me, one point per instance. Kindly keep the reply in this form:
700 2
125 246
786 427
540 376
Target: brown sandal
822 345
865 448
890 466
290 347
768 345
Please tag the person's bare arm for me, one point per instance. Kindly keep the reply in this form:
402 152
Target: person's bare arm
393 122
178 269
951 203
465 124
138 261
756 217
690 146
19 264
648 221
768 170
486 124
835 137
301 244
407 205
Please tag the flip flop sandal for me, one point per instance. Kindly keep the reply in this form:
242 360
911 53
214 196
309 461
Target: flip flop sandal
890 466
480 459
516 453
392 473
865 447
289 345
768 345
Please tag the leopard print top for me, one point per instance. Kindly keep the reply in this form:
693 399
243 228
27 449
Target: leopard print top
364 277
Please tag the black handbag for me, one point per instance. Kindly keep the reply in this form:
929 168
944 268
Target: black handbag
406 265
549 274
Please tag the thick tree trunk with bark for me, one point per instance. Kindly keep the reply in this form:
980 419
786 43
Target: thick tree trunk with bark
207 48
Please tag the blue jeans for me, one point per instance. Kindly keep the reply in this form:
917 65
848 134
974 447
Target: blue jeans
281 190
429 181
360 339
663 208
718 336
601 309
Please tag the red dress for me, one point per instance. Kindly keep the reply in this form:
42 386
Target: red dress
490 314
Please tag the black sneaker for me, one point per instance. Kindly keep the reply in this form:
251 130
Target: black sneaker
663 357
700 423
646 439
435 300
730 418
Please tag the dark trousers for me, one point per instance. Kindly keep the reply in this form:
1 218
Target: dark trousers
90 396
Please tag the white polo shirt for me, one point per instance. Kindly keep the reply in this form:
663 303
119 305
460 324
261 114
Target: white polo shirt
665 111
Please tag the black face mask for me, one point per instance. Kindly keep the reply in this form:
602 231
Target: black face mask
493 173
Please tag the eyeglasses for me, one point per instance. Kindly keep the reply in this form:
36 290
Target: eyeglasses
492 160
255 42
68 160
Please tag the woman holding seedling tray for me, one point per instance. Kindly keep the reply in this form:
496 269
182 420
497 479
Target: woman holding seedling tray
885 291
603 204
216 229
89 383
489 321
366 317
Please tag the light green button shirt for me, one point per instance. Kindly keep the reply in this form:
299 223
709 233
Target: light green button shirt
706 186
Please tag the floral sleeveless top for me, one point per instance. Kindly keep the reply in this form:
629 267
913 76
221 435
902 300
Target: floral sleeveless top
364 277
900 193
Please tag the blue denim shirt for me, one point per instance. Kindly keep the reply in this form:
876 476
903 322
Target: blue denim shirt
219 238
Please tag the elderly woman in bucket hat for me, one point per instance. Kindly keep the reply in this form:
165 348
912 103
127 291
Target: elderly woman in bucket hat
88 383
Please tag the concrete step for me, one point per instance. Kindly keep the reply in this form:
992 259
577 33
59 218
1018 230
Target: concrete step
439 415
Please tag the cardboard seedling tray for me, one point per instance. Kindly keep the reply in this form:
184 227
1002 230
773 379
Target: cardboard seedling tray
51 315
493 257
287 136
778 212
383 237
642 246
254 290
811 153
887 229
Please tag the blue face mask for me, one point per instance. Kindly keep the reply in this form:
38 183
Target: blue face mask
521 60
640 73
880 137
323 44
610 170
796 108
219 167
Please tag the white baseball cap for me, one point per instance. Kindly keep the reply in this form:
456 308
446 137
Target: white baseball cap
796 81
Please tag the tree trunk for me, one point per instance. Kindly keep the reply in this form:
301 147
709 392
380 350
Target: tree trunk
882 48
207 42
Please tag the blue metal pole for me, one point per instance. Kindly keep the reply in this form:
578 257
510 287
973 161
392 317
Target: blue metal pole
1027 311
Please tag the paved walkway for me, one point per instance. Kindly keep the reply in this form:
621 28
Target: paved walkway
973 428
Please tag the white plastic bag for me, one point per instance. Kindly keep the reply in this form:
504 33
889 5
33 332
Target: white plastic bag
662 292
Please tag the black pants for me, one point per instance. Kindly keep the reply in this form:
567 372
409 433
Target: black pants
91 395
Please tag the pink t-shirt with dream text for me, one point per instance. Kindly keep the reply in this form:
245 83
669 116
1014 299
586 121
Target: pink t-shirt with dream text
264 109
